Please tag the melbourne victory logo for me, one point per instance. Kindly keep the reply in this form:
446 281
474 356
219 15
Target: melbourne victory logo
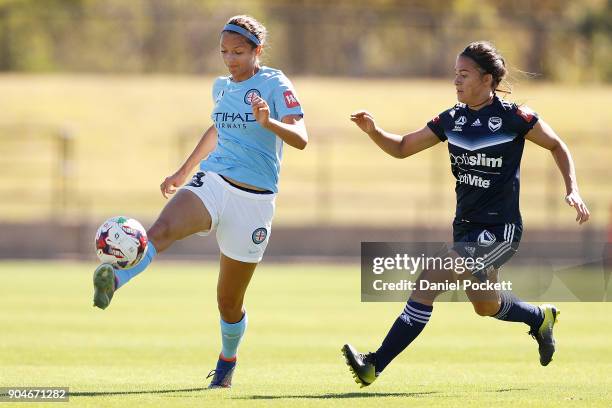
495 123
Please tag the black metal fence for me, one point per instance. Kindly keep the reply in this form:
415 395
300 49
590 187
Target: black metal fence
37 163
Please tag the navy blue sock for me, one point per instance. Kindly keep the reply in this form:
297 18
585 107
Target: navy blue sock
405 329
512 309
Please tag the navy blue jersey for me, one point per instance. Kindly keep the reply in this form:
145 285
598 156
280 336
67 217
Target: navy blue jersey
485 149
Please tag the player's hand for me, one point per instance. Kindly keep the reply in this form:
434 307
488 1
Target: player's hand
171 183
582 212
261 110
364 120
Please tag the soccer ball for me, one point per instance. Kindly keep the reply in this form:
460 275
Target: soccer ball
121 241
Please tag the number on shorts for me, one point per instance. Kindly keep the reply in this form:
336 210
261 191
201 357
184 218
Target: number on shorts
197 180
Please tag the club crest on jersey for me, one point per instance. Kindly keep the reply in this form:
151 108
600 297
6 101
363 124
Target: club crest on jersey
259 235
486 238
251 93
458 123
495 123
290 99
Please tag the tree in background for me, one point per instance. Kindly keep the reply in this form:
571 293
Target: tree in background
559 39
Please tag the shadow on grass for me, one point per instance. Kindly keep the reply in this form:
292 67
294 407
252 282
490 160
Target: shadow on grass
510 389
280 397
104 393
259 397
341 396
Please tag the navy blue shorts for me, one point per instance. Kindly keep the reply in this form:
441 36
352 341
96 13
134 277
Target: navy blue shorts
495 244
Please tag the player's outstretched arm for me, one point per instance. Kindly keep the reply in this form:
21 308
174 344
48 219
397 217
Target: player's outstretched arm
207 144
543 135
395 145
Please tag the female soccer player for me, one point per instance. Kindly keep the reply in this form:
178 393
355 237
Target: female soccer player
255 111
486 136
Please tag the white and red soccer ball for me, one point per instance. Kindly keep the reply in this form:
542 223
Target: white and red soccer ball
121 241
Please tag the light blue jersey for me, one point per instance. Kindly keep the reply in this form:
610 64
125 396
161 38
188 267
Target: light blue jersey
245 151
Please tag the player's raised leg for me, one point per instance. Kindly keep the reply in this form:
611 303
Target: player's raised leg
505 306
184 215
234 278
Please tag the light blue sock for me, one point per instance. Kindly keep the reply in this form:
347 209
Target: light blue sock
122 276
231 334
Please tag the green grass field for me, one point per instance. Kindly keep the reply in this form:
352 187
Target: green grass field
127 129
160 337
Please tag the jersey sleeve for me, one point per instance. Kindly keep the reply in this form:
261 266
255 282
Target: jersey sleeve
436 126
284 98
523 119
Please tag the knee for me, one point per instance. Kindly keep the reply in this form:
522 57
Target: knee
486 308
160 234
426 297
230 307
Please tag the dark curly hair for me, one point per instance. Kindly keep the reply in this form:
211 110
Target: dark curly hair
489 60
